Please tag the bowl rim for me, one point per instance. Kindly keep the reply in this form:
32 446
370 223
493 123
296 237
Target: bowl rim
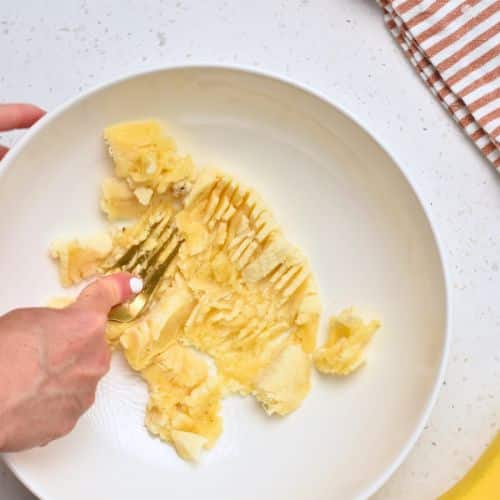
351 115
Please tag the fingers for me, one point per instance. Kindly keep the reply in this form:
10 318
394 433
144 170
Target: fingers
101 295
14 116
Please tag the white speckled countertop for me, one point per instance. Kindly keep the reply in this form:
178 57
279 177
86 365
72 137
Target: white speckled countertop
340 47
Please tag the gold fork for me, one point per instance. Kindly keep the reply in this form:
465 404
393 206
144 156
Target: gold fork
149 259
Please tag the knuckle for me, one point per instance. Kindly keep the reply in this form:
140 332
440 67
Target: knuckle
103 360
95 323
88 399
107 360
66 427
86 323
92 370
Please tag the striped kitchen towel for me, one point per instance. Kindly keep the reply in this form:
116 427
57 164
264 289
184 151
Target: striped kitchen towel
455 47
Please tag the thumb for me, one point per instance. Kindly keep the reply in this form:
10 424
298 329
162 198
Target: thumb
104 293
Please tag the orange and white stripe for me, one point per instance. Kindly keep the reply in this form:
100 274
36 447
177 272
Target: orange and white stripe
455 47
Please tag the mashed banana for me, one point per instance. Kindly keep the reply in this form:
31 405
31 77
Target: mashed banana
348 336
237 293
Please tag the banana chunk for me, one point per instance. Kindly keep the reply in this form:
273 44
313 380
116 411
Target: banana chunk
344 351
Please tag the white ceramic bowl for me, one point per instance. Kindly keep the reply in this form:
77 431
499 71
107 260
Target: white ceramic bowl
338 194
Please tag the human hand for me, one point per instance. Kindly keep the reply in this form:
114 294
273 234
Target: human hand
13 116
51 361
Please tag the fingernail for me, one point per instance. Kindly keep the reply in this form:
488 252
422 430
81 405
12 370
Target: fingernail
136 284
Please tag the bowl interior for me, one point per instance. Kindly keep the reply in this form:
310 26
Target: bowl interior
337 194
